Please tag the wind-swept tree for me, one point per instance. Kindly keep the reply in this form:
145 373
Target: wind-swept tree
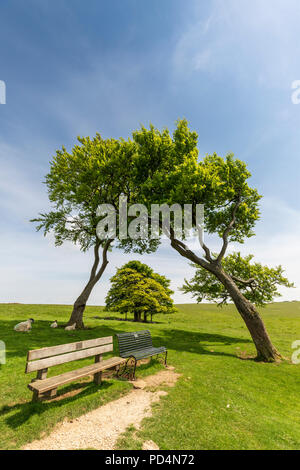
259 284
96 171
137 289
167 170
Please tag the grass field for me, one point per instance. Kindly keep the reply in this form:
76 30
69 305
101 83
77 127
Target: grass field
220 401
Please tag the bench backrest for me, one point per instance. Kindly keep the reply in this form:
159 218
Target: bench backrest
39 359
134 341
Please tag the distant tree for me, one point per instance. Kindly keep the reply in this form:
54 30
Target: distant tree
258 283
137 289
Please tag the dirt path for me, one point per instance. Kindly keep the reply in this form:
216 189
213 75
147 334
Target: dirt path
100 428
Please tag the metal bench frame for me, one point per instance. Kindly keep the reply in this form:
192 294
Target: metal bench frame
135 346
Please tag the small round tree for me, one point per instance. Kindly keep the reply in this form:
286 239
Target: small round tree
137 289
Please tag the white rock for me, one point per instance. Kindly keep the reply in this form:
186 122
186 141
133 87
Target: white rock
150 445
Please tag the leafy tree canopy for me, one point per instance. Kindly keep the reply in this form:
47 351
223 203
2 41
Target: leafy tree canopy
96 171
168 170
137 289
258 283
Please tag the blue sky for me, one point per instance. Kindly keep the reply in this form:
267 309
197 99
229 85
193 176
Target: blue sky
76 68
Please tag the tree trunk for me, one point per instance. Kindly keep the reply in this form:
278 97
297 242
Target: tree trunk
137 316
80 303
264 347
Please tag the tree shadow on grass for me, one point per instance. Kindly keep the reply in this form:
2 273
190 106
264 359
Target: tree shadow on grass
24 411
195 342
42 336
18 344
148 322
66 395
174 339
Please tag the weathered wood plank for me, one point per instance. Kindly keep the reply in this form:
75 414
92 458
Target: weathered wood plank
41 374
41 386
65 348
35 396
98 375
62 359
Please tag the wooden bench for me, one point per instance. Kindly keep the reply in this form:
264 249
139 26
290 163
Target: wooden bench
138 345
41 359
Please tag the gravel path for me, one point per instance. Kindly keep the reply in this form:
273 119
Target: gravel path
100 428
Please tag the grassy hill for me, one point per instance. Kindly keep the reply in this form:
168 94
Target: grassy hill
220 401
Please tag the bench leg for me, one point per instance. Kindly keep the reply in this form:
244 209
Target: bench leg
50 394
166 355
36 396
98 375
134 368
128 368
98 378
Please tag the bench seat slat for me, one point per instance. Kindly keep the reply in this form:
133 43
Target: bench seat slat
53 382
130 343
142 353
140 343
69 357
65 348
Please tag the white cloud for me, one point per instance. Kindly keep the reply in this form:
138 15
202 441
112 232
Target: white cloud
245 40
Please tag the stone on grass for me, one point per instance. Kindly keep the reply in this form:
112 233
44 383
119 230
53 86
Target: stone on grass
150 445
139 384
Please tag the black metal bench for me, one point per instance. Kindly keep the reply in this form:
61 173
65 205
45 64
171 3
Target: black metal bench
135 346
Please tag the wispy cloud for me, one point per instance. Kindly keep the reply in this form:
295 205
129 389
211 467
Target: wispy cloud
245 40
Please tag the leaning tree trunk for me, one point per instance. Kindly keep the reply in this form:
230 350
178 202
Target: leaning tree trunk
80 303
264 347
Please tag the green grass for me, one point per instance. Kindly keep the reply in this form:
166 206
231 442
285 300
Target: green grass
204 343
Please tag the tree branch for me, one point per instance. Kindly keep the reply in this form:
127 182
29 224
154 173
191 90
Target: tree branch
94 274
202 244
183 250
247 282
104 259
228 230
96 260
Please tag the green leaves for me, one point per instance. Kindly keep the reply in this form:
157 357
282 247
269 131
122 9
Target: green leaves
258 283
96 171
167 170
137 289
152 168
